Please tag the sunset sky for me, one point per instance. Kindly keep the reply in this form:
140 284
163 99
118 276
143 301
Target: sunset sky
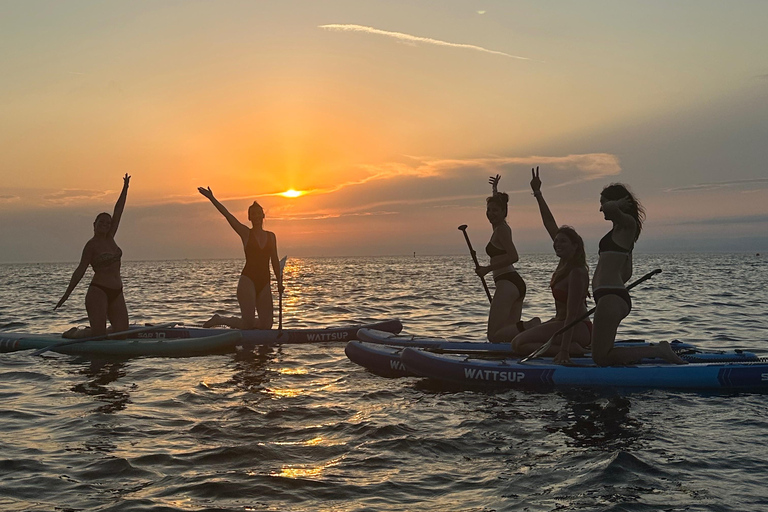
388 116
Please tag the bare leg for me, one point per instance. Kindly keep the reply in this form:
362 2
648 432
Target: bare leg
118 314
502 310
246 297
531 339
610 311
96 306
264 308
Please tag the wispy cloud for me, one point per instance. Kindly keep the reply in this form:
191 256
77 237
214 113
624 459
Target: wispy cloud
68 196
407 38
7 198
718 185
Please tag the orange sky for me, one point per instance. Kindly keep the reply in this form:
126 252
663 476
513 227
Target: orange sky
390 117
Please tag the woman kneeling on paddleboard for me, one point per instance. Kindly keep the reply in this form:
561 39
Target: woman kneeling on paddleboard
104 299
254 293
614 268
569 284
504 321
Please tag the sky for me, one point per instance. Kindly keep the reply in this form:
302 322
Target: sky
387 116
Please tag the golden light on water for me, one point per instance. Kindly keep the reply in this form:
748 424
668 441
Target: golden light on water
293 193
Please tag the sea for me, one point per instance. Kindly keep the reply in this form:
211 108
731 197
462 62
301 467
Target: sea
301 428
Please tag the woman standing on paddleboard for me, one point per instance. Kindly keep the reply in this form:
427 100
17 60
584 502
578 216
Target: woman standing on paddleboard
504 321
569 284
104 299
614 268
254 293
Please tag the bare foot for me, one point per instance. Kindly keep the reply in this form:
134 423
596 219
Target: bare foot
666 353
214 321
71 333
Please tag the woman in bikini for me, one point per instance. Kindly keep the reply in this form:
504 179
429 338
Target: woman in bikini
614 268
504 321
104 299
569 284
254 293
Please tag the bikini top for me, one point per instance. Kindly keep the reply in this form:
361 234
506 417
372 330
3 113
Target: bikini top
560 294
106 259
608 245
491 250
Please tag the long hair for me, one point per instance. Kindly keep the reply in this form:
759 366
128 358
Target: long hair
500 199
616 191
578 260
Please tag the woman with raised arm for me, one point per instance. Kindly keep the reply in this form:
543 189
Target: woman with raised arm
614 268
254 293
104 299
569 285
504 321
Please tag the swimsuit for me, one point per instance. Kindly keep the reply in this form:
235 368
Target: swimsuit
607 290
257 262
561 295
103 261
111 293
608 245
507 273
106 259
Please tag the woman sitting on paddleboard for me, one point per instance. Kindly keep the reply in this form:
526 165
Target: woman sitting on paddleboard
569 284
504 321
104 299
614 268
254 293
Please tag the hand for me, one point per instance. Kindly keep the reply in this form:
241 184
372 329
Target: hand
494 181
206 192
481 270
280 288
624 204
563 358
535 180
126 180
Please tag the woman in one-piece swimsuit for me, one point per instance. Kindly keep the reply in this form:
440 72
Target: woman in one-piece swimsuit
254 293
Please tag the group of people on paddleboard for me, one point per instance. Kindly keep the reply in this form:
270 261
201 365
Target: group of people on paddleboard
569 332
104 299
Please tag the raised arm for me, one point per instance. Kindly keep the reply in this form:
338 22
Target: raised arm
119 206
546 215
240 228
77 275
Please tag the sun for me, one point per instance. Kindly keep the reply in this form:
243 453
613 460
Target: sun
293 193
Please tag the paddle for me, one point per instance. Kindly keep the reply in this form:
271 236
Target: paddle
104 337
280 300
463 229
542 349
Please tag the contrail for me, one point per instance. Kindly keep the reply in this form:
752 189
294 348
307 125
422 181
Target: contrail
414 39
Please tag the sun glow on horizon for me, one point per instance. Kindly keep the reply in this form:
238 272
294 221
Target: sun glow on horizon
292 193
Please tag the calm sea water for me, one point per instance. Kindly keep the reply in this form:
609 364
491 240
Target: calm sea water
301 428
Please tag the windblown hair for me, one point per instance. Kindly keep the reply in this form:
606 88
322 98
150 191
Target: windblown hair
616 191
500 199
578 260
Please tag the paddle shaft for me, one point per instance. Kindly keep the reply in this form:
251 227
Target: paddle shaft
280 299
463 229
576 322
104 337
